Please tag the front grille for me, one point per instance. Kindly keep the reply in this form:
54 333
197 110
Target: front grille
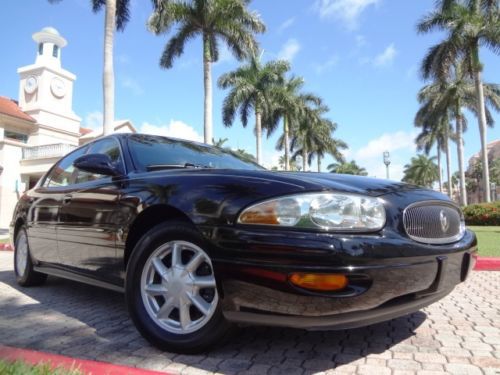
433 222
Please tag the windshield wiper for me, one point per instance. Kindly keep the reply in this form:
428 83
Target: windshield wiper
157 167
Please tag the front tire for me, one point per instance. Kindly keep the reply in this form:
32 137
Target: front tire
23 265
171 290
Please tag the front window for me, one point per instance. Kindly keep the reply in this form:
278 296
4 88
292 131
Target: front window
154 152
55 51
63 173
40 48
108 146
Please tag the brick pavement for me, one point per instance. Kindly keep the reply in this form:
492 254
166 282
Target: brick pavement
460 335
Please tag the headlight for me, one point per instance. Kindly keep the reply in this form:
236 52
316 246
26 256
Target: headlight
326 211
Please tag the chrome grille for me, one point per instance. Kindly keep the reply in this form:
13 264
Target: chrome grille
433 222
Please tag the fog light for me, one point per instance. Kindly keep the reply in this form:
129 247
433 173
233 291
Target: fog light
317 281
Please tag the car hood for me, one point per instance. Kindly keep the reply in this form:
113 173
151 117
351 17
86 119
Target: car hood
304 181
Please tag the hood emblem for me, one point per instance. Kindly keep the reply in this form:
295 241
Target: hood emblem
443 219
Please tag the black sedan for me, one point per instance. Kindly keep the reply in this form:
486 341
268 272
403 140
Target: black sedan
198 239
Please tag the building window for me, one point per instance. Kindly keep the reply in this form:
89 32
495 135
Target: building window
55 51
40 49
23 138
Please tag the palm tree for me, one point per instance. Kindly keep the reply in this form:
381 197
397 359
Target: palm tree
282 163
350 167
326 144
220 142
426 140
215 20
450 97
251 88
116 17
469 25
421 171
290 104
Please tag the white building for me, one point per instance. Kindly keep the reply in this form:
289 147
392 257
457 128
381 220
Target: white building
40 127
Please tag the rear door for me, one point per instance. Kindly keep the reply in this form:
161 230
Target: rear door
43 216
88 219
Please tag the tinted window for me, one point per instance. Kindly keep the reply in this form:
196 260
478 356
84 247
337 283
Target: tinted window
63 173
150 151
108 146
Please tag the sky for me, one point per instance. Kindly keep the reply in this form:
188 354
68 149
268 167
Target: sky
361 56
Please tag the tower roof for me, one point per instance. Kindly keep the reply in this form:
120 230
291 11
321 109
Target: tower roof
49 35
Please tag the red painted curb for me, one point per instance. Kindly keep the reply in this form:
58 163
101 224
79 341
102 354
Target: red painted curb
83 365
6 247
487 264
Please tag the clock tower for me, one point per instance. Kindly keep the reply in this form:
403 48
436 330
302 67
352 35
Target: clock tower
46 89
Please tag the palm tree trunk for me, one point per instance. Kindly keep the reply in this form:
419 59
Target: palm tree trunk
258 135
207 85
304 159
439 167
108 77
287 143
460 154
319 164
482 132
448 165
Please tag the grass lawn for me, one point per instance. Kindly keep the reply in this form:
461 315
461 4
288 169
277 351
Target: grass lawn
488 240
22 368
4 240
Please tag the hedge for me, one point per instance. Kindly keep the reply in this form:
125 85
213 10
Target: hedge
482 214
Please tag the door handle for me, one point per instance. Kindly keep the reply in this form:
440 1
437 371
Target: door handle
66 199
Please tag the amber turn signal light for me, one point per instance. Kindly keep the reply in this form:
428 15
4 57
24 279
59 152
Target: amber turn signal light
319 281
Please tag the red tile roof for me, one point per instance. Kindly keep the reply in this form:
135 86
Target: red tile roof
9 107
84 131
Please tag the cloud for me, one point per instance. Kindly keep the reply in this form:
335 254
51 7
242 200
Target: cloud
131 84
327 65
347 11
400 144
175 129
93 120
286 24
386 57
270 159
289 50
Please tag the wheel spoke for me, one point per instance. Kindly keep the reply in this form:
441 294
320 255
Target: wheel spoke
160 267
176 255
166 309
204 281
155 289
184 316
200 304
195 262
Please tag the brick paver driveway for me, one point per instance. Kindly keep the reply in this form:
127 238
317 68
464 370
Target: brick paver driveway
460 334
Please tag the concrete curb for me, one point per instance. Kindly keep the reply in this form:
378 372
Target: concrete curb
487 264
85 366
6 247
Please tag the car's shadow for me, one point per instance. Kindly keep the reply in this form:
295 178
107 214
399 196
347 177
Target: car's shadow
87 322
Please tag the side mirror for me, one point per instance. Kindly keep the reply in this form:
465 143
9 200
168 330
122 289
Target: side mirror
96 163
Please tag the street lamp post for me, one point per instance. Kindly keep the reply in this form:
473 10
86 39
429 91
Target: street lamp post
387 162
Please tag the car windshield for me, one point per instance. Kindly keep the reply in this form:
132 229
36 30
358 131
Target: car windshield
155 152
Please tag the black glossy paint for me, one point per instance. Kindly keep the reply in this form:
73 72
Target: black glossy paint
89 229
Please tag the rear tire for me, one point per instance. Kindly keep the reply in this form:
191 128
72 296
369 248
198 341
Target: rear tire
23 265
171 290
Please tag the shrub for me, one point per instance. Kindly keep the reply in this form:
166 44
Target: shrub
482 214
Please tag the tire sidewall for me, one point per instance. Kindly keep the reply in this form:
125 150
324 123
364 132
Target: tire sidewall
190 342
24 278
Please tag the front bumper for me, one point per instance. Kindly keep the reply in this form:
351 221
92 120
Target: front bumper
256 290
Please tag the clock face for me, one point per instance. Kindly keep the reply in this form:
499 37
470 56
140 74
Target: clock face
58 87
30 85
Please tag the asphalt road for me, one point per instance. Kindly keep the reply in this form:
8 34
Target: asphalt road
459 334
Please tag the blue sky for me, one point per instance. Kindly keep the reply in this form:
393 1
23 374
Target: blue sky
361 56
